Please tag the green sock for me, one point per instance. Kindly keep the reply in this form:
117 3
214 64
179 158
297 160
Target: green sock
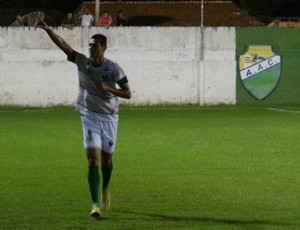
106 174
94 181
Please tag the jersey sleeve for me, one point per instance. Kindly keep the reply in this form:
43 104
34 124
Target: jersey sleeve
123 81
119 75
72 56
78 58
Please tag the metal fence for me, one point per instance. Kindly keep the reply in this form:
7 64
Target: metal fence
150 13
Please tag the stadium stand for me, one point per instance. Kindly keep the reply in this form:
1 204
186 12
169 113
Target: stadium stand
289 22
154 13
178 13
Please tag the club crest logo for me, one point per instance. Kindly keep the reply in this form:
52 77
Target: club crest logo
260 70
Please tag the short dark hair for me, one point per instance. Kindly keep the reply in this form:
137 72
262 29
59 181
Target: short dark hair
101 38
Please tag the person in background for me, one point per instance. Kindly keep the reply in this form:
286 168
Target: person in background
105 20
68 21
87 19
120 20
20 21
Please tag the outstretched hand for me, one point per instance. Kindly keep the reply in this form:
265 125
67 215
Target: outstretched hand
42 24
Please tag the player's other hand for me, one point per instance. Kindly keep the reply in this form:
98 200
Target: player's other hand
42 24
102 87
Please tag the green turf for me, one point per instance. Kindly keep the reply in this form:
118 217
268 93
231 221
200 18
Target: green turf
174 168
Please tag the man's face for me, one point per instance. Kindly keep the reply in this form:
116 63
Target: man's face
96 50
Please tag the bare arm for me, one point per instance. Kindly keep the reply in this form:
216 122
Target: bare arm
58 40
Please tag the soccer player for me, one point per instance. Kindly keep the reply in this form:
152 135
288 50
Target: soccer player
98 104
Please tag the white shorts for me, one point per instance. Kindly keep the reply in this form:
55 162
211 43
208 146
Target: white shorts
99 134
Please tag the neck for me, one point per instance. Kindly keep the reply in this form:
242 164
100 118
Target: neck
97 61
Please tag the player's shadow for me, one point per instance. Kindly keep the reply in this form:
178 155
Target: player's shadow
245 223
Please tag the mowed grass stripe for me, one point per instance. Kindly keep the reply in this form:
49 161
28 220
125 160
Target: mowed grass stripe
187 167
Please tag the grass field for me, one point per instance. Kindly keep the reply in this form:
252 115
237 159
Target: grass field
174 168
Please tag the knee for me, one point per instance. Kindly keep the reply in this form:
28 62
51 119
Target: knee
106 158
93 162
93 156
106 161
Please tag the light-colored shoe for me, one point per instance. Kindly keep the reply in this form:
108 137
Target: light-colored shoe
105 199
96 211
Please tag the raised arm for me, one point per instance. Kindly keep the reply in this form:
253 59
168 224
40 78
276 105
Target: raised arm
59 41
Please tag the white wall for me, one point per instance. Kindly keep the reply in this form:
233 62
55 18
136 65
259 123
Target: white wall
163 65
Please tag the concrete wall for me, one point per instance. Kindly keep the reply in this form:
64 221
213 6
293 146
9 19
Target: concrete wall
165 65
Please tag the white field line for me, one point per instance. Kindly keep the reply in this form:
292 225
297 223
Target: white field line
283 110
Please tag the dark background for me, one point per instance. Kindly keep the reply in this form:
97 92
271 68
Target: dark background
264 11
64 5
268 8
